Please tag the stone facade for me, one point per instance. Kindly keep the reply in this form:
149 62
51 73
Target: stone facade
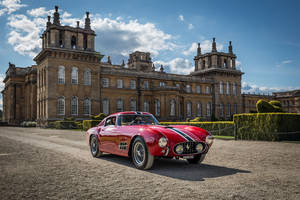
70 80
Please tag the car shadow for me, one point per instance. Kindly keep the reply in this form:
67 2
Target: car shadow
180 169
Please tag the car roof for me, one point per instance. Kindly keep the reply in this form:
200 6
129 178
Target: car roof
131 113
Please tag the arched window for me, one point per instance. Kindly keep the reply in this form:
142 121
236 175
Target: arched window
87 76
132 105
199 109
172 107
105 104
234 89
87 106
74 75
221 110
119 105
146 106
227 88
74 106
61 106
61 75
188 109
208 109
73 42
225 63
157 107
221 87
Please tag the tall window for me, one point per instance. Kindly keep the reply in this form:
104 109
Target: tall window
227 88
228 113
162 84
105 105
74 75
188 88
157 107
74 106
132 84
61 75
172 107
132 105
87 77
73 42
235 108
207 90
221 110
87 106
188 109
199 109
198 89
119 83
146 84
234 88
146 106
208 109
119 105
61 106
105 82
221 87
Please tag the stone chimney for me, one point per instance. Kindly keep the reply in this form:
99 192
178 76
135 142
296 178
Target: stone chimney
214 46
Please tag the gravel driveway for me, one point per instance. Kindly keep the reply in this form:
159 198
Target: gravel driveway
54 164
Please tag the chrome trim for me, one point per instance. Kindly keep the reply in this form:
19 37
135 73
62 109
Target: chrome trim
190 148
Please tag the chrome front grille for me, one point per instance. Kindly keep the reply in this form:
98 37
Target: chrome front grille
189 147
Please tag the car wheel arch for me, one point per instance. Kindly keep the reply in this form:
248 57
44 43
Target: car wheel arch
131 142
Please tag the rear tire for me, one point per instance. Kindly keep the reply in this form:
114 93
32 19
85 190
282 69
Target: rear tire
94 147
141 157
197 159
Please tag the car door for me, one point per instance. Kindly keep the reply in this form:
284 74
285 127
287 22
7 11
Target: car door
109 136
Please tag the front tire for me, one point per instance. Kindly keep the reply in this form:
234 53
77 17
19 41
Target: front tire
94 147
197 159
141 157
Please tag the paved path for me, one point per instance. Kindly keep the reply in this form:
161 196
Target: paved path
54 164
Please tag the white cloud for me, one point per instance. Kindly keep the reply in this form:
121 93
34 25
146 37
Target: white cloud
284 62
253 88
38 12
177 65
10 6
181 18
205 47
191 26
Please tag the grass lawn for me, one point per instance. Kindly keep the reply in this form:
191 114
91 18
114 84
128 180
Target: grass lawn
223 137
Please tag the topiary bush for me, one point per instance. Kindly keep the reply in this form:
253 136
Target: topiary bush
100 116
87 124
65 125
263 106
196 119
268 126
216 128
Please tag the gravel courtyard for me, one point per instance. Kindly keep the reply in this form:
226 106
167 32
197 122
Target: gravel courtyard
56 164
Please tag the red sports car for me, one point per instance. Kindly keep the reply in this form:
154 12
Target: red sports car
140 136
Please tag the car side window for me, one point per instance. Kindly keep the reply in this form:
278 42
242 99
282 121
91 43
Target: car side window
110 121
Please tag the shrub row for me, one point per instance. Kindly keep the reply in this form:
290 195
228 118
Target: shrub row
87 124
216 128
268 126
65 125
28 124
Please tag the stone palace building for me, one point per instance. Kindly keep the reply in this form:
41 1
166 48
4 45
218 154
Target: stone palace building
71 80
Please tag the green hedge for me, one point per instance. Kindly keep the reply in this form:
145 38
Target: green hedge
216 128
267 126
87 124
65 125
263 106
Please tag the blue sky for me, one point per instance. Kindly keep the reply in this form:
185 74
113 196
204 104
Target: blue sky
264 34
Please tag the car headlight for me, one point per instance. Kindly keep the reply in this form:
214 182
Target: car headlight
199 147
179 149
162 142
209 139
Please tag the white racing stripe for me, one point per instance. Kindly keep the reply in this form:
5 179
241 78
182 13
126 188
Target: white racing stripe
182 134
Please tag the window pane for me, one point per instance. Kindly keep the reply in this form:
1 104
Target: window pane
105 82
172 107
87 107
105 106
146 106
157 107
74 75
119 83
119 105
133 105
133 84
74 106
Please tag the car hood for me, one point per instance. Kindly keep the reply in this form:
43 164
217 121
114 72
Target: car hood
178 133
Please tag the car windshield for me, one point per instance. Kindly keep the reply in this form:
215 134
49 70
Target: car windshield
137 120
